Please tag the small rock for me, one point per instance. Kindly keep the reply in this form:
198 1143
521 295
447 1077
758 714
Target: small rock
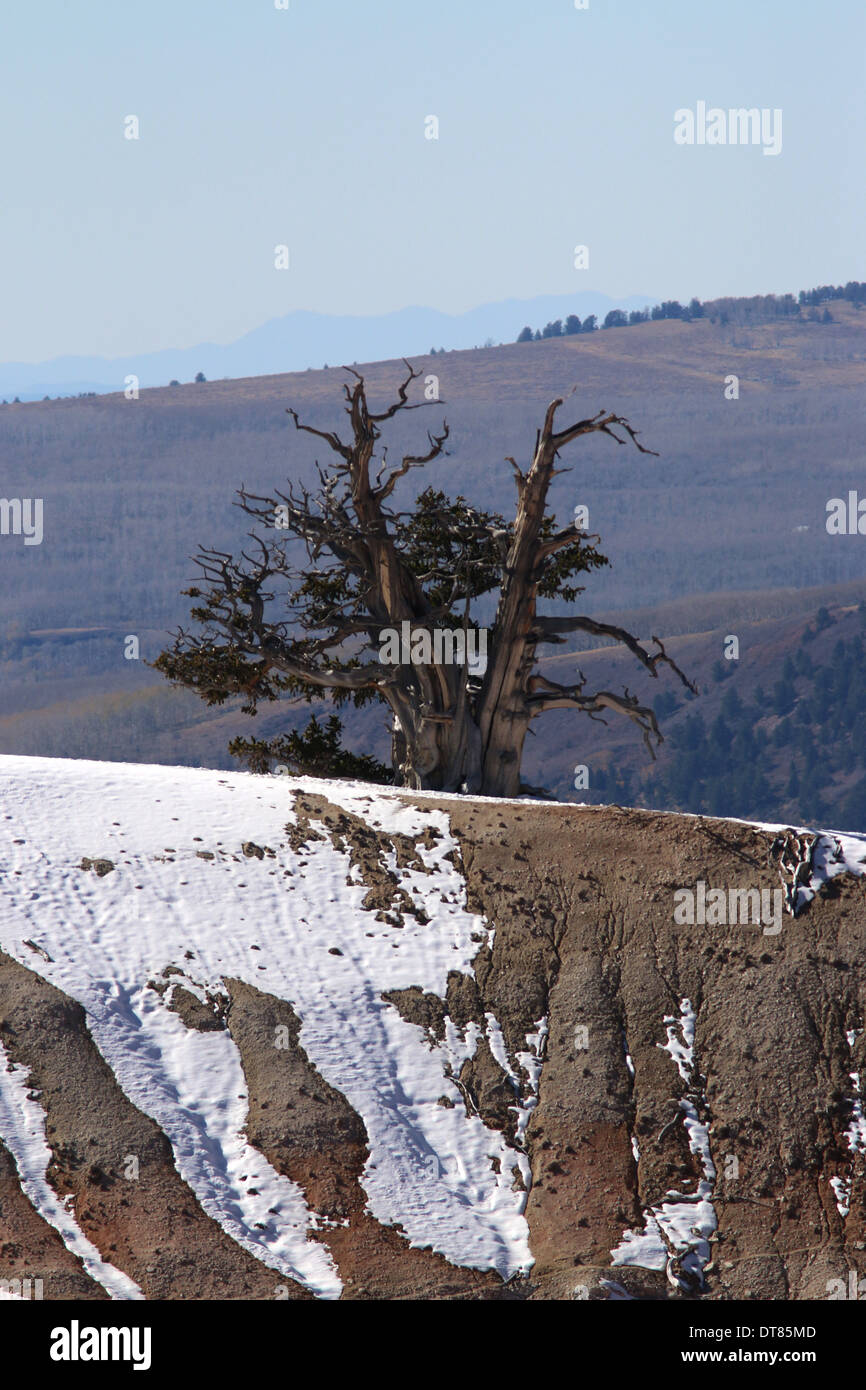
252 850
40 950
100 867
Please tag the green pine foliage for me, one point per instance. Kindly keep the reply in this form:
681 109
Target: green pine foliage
317 752
454 550
799 754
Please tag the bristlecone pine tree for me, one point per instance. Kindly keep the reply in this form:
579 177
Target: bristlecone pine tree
271 629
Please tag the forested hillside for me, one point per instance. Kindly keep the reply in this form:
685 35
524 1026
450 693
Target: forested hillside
803 738
736 499
715 535
778 735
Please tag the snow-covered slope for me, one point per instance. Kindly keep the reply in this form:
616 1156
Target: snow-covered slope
120 883
290 924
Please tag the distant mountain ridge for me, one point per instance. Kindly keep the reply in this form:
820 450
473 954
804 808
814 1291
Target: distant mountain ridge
304 339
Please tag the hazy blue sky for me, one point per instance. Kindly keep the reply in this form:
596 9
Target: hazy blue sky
306 127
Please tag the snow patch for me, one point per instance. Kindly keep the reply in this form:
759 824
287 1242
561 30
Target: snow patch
531 1063
855 1133
439 1171
22 1126
676 1234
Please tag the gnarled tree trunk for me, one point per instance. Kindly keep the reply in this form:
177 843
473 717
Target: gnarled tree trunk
452 731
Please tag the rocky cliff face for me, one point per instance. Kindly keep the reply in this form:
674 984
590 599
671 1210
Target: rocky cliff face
310 1040
684 1058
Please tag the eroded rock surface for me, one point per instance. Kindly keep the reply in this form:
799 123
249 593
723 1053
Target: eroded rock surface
624 1055
150 1226
585 930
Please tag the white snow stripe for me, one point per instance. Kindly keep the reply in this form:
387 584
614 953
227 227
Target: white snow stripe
22 1129
684 1222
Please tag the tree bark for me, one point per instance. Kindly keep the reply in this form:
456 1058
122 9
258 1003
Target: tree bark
450 733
